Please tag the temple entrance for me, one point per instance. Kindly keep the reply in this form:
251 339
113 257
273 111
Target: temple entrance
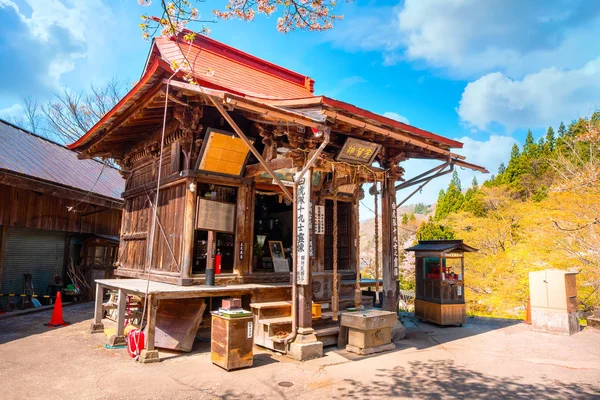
273 233
344 235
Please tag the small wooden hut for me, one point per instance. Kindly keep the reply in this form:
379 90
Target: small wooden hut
440 280
246 164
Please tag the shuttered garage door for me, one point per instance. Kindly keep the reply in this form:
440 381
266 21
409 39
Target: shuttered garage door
32 251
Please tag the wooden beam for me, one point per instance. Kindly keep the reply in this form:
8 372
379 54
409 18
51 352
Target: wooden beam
275 164
389 133
390 284
250 146
189 226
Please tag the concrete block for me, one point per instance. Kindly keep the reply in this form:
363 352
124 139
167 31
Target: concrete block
398 332
370 350
305 347
115 340
149 356
96 328
547 320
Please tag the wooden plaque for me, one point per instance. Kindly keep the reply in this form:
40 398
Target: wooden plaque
215 216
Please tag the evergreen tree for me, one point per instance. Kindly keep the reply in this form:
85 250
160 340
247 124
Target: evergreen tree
431 230
501 169
456 180
514 152
450 201
550 140
412 217
562 130
404 219
530 148
475 184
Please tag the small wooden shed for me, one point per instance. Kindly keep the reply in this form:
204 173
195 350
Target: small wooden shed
440 279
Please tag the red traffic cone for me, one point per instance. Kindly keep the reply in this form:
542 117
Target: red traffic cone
57 315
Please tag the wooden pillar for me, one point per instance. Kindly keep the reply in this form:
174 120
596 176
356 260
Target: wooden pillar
244 229
151 322
189 230
389 245
320 243
121 308
97 326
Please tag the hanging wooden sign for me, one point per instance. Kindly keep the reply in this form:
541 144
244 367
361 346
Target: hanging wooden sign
303 205
356 151
215 216
319 220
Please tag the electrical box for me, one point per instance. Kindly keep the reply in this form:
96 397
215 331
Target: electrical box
553 296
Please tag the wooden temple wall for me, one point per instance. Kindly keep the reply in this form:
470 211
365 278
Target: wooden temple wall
29 209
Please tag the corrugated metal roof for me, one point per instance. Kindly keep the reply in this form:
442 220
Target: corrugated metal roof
441 245
28 154
215 64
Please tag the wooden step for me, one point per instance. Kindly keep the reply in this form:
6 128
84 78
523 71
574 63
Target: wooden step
328 336
271 304
275 321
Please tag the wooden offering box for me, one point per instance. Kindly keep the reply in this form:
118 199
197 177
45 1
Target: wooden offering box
439 275
369 331
231 344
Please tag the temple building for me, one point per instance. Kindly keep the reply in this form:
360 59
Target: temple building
235 169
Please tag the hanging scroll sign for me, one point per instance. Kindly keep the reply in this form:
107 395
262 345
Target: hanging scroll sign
303 205
319 220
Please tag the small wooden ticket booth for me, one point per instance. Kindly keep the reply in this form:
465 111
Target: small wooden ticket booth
439 275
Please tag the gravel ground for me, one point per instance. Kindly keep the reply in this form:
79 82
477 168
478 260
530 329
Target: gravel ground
483 359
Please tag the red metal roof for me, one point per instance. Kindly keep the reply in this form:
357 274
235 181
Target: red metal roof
25 153
224 67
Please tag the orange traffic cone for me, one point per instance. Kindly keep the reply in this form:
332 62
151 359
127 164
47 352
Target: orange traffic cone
57 315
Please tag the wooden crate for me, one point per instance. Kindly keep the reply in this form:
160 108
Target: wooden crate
231 344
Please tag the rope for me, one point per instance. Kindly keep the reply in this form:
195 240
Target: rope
357 289
376 201
335 303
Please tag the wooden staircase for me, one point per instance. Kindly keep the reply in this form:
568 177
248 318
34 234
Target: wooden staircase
273 322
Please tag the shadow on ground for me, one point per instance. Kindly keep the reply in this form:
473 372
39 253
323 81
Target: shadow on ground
20 326
445 379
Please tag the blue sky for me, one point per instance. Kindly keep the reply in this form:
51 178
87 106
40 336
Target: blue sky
482 72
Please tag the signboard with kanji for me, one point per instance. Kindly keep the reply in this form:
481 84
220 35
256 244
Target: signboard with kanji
319 220
357 151
303 206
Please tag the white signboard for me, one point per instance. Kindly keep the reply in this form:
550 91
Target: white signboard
303 206
319 220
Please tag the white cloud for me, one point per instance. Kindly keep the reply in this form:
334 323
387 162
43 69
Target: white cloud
538 100
396 116
471 37
11 112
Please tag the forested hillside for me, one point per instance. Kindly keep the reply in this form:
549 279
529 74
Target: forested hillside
542 210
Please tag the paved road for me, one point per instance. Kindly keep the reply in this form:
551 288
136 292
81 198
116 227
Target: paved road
490 360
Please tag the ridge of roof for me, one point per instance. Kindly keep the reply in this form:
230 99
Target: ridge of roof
241 57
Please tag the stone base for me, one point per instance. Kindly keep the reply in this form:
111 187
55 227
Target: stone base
185 281
149 356
593 322
370 350
305 347
115 340
547 320
398 332
97 328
